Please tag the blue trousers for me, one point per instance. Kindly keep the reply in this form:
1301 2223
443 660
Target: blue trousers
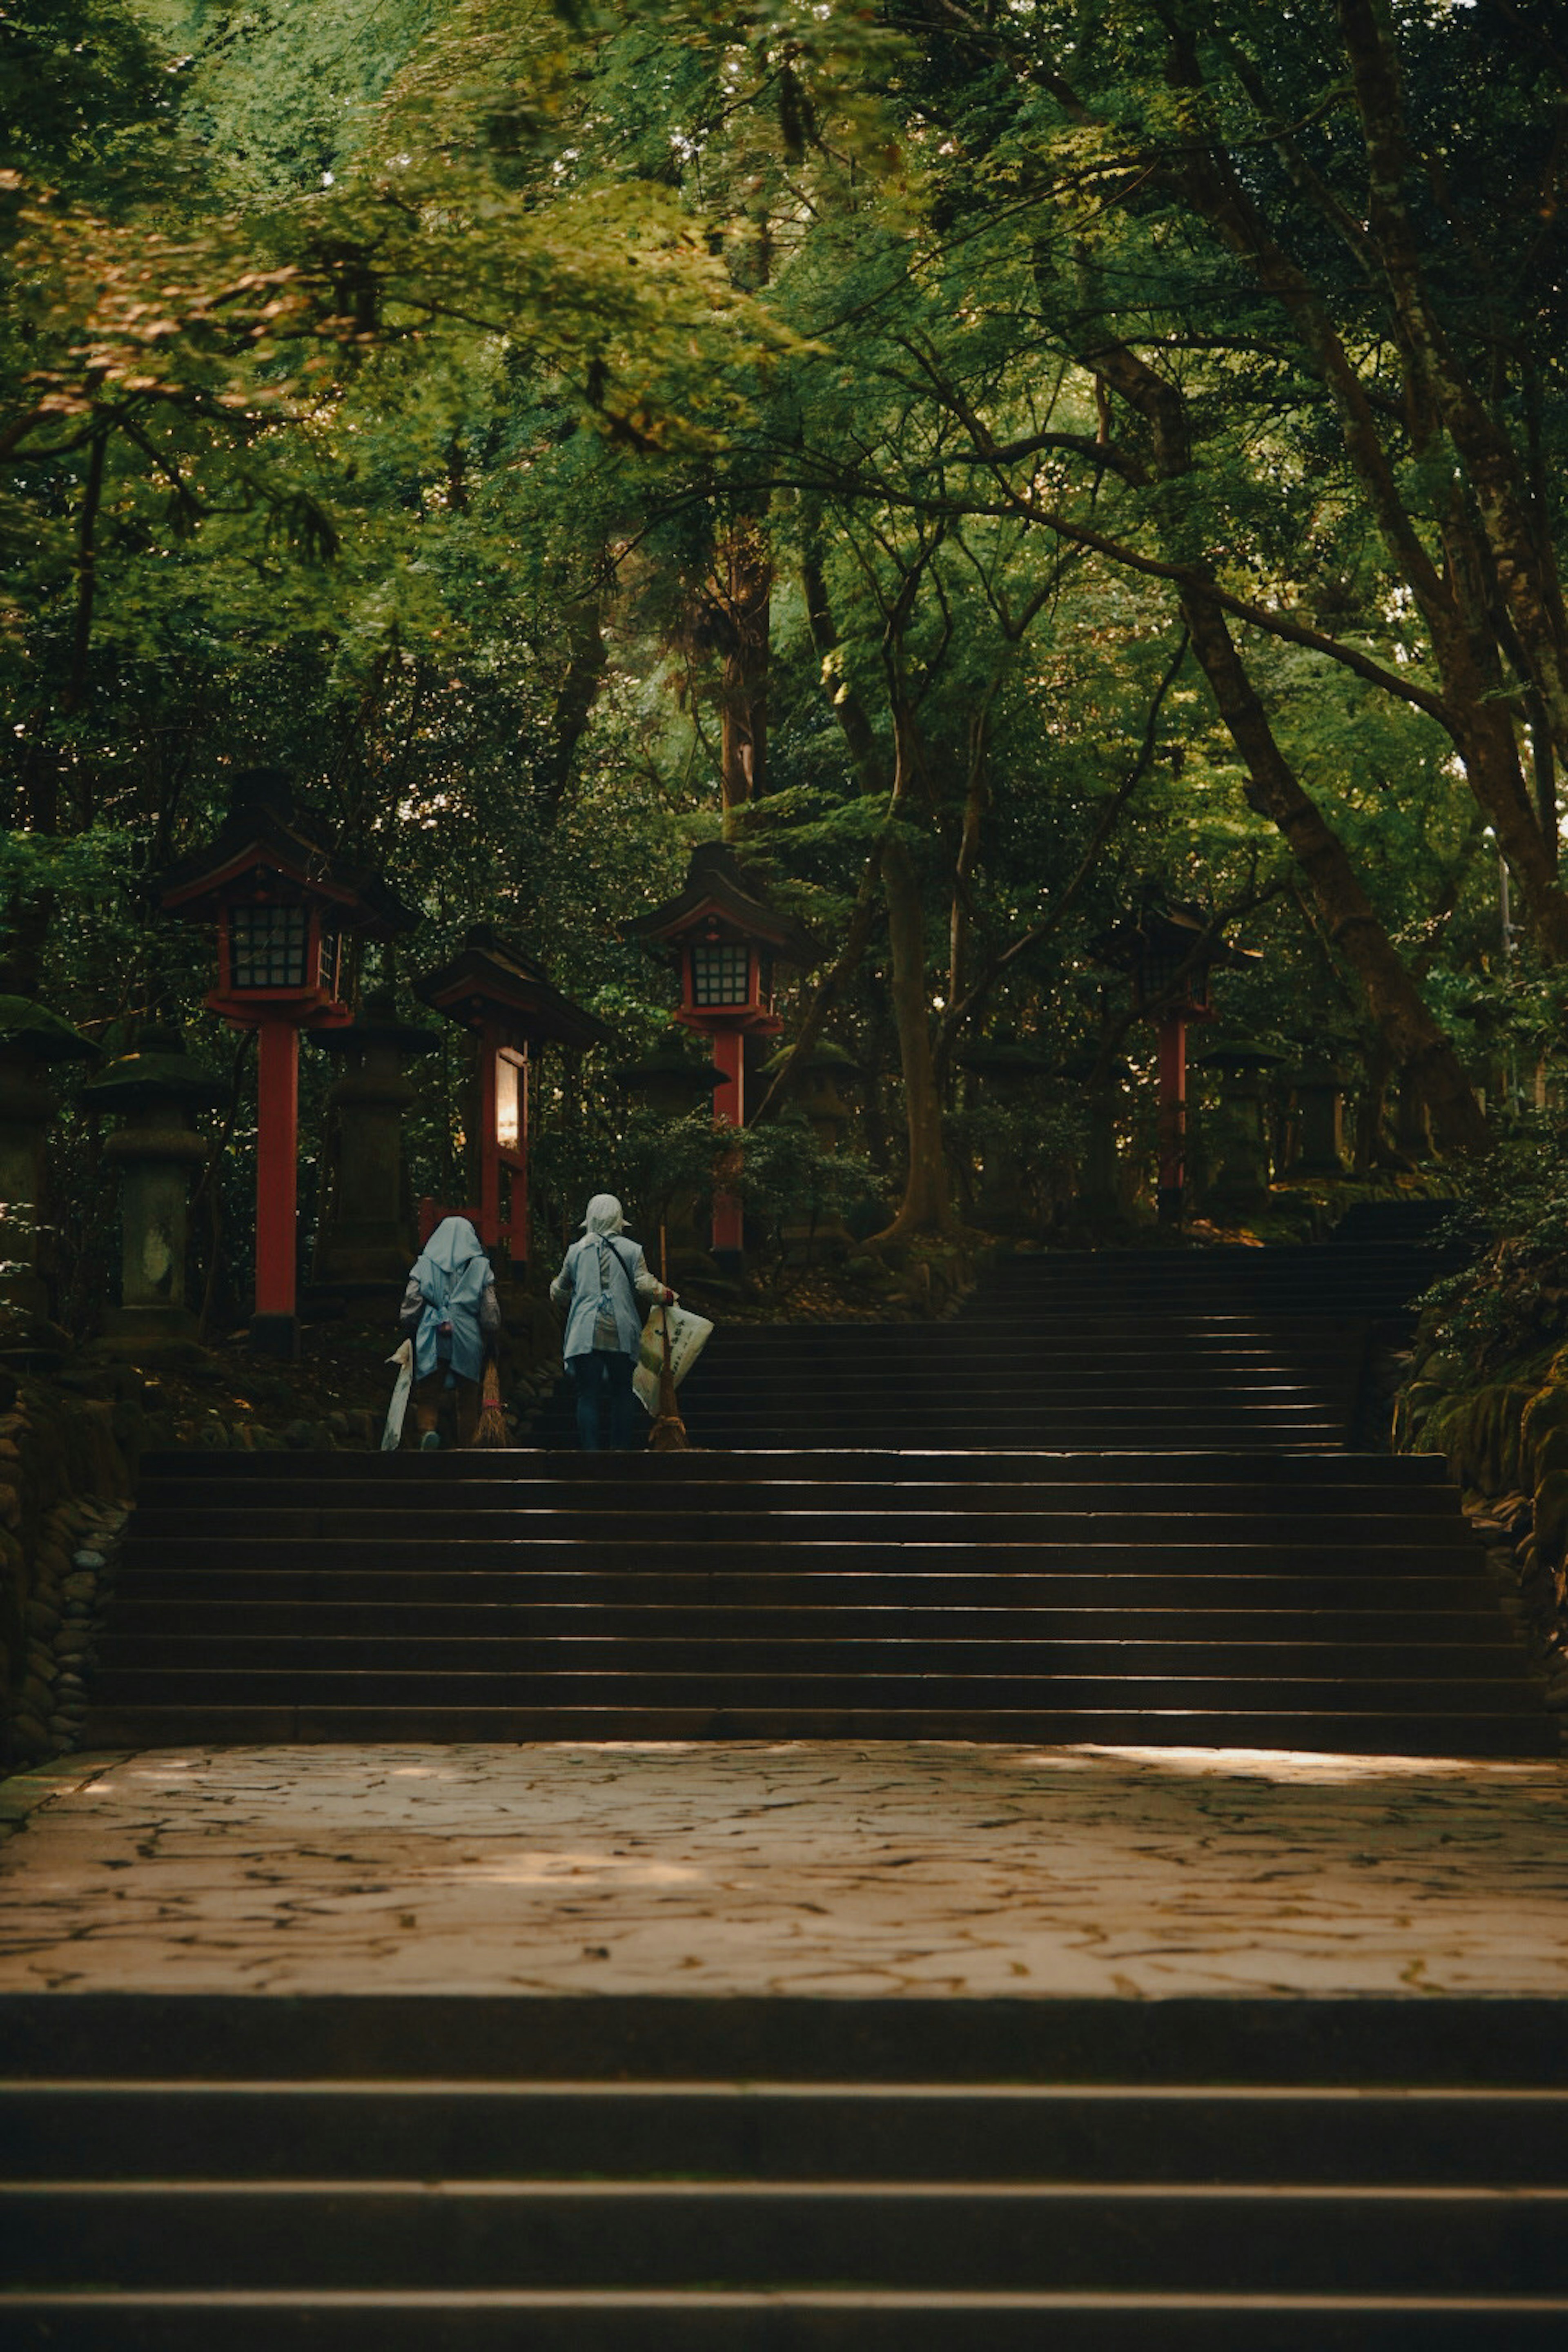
604 1372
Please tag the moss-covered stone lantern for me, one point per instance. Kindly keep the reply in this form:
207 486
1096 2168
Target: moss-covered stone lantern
1235 1133
1317 1103
1168 949
156 1089
32 1041
365 1239
1006 1070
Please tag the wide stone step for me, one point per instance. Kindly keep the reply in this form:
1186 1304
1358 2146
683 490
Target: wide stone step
523 1525
823 2320
103 2130
1402 1597
854 1465
1203 1684
317 1658
1197 2238
1448 1731
1404 1505
1353 2042
151 1624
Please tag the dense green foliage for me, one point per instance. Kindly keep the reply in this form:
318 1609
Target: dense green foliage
993 464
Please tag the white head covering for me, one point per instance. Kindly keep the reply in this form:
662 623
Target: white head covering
604 1218
451 1247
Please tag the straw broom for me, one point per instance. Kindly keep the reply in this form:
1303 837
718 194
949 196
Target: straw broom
667 1435
491 1432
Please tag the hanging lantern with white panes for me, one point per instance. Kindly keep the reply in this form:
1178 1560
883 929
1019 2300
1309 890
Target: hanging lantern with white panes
508 1099
722 974
270 949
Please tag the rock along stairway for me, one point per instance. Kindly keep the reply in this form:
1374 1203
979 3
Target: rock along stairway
623 2174
1110 1502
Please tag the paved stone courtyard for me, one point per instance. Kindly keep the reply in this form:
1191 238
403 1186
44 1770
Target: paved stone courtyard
807 1868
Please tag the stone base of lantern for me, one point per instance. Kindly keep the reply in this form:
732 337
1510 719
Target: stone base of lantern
828 1243
361 1259
276 1336
145 1334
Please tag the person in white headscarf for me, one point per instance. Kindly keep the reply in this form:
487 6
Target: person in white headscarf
451 1313
603 1278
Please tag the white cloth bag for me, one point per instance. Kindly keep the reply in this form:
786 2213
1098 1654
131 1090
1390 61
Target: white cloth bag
689 1334
392 1435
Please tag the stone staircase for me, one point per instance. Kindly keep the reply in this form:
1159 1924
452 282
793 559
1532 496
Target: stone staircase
620 2174
1110 1502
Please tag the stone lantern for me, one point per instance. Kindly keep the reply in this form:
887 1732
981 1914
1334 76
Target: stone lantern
1411 1122
1006 1070
281 900
156 1088
818 1100
31 1040
1237 1140
1099 1081
498 991
726 941
365 1240
675 1080
1169 949
1318 1093
823 1073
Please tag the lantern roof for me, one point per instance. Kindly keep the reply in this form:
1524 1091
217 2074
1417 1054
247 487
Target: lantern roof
671 1059
494 979
1231 1052
720 896
156 1070
1170 930
29 1032
265 834
376 1024
826 1059
1003 1055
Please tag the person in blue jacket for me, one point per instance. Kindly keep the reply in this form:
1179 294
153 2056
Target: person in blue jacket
604 1277
451 1313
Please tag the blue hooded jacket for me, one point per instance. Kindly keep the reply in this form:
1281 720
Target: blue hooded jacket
452 1275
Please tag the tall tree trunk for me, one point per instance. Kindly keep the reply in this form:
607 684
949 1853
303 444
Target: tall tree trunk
1350 921
1436 395
747 585
1526 565
927 1204
1275 790
586 662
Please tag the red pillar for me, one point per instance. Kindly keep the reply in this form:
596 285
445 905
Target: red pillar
518 1245
729 1110
1172 1115
277 1182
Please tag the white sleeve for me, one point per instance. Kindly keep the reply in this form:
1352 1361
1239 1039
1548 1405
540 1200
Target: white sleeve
646 1284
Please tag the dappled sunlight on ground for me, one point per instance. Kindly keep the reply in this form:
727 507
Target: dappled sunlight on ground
849 1867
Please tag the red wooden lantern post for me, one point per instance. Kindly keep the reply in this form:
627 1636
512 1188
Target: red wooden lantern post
726 941
499 992
1169 951
281 901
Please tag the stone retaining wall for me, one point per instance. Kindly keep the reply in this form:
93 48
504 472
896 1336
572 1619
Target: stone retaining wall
1507 1445
66 1482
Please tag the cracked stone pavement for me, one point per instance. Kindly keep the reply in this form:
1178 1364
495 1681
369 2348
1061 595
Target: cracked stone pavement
877 1869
